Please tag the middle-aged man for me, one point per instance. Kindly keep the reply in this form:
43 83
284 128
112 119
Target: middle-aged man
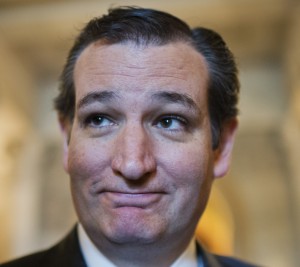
147 108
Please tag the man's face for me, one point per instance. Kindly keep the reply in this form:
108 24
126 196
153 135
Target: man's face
140 152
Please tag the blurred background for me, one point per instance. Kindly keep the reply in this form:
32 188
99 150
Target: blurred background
254 212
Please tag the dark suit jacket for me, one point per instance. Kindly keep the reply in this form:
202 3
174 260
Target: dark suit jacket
67 253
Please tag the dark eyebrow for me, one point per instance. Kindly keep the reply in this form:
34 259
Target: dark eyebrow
172 97
104 96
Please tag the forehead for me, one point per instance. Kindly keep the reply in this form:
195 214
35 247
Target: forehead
141 70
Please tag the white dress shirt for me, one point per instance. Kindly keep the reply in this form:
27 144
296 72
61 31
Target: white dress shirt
94 258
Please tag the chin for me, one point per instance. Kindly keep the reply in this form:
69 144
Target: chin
135 233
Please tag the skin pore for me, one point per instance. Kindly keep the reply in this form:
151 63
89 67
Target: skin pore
139 153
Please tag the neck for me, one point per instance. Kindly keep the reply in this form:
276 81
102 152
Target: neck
143 255
160 253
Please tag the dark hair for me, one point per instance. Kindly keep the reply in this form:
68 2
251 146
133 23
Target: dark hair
152 27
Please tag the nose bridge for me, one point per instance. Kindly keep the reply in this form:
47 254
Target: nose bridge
134 141
133 155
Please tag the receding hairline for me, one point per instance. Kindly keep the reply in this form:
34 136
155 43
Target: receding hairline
103 43
106 42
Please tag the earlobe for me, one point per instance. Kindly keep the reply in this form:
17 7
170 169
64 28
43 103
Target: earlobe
224 151
65 130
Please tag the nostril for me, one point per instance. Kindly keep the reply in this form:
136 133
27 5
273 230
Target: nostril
133 168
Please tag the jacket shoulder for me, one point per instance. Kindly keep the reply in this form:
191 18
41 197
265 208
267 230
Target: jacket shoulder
233 262
212 260
38 259
65 253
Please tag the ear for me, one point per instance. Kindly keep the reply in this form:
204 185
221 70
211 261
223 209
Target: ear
65 128
224 151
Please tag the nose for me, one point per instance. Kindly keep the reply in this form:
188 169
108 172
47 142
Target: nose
133 157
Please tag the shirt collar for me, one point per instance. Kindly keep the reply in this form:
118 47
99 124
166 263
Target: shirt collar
189 257
94 258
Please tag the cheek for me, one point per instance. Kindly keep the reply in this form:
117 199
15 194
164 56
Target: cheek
190 164
190 173
191 168
193 178
86 165
85 160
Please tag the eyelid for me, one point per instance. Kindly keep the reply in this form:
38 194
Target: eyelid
178 118
87 121
173 116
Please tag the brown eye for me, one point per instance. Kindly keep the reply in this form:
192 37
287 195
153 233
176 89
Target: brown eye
166 122
98 121
173 123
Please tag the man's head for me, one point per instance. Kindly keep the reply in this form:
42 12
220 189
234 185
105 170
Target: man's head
140 97
151 27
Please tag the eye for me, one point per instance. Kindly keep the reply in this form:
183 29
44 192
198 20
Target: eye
174 123
97 121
